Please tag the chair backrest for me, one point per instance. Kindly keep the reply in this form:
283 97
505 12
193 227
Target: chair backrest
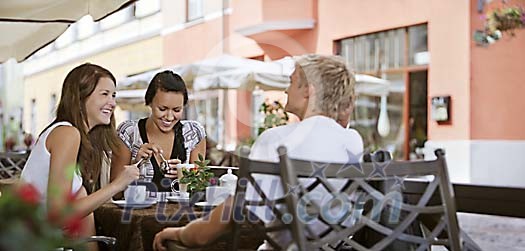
11 164
253 195
348 189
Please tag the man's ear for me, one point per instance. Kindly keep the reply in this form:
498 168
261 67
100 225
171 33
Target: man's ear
308 91
343 116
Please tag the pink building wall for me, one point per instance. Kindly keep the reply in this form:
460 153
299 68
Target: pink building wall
497 83
484 105
449 47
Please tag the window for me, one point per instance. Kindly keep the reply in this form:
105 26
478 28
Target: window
383 54
146 7
365 118
120 17
207 108
418 45
378 51
195 9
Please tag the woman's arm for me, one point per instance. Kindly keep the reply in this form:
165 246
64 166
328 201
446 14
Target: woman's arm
63 144
200 148
119 159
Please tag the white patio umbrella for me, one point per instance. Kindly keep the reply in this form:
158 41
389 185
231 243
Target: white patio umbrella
28 25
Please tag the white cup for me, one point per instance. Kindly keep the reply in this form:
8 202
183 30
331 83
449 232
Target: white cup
216 194
135 194
182 187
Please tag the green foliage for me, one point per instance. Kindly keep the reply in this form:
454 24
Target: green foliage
499 21
199 177
505 19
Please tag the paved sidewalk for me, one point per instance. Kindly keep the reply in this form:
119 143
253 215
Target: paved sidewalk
494 233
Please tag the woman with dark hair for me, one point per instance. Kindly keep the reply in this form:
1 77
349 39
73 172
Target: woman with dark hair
162 135
68 155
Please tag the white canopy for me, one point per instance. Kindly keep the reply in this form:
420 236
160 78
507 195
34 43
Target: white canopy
28 25
268 75
236 67
230 72
369 85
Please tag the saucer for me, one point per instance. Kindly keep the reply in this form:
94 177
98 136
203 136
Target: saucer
177 199
206 204
145 204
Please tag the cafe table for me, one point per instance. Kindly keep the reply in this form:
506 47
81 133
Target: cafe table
135 229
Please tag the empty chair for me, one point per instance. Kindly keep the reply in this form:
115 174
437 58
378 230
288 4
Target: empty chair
11 164
351 206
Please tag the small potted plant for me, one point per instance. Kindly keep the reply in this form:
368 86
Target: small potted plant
199 177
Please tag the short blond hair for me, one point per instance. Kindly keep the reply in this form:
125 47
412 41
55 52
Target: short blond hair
333 81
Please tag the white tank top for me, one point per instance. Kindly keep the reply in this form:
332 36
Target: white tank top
36 170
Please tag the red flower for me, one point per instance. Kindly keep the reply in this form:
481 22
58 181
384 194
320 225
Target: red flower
73 226
28 194
213 181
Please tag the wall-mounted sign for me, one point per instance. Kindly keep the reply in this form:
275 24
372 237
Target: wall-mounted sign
441 108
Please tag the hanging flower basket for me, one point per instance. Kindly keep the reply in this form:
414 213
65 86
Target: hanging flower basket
506 19
499 21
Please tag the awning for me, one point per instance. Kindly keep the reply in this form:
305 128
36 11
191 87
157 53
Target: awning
190 72
230 72
28 25
273 75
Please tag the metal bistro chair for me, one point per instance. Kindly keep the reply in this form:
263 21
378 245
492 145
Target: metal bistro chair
11 164
251 197
356 215
109 243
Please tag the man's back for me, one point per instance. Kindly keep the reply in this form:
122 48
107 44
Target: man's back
317 138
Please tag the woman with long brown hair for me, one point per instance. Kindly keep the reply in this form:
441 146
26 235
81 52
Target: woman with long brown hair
68 155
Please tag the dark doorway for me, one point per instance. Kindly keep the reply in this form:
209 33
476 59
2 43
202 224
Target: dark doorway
417 119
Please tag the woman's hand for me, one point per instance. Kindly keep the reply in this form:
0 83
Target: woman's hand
172 169
147 150
129 174
170 233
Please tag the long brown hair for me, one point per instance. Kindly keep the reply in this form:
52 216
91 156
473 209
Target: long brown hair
97 143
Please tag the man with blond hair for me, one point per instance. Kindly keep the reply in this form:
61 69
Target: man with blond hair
321 94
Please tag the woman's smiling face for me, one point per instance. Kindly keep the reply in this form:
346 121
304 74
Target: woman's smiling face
167 109
101 103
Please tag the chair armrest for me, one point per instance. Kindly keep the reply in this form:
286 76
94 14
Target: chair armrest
109 241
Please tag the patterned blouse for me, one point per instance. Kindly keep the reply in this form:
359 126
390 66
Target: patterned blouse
129 133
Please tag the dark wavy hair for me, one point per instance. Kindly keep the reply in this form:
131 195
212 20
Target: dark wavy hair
97 143
168 81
